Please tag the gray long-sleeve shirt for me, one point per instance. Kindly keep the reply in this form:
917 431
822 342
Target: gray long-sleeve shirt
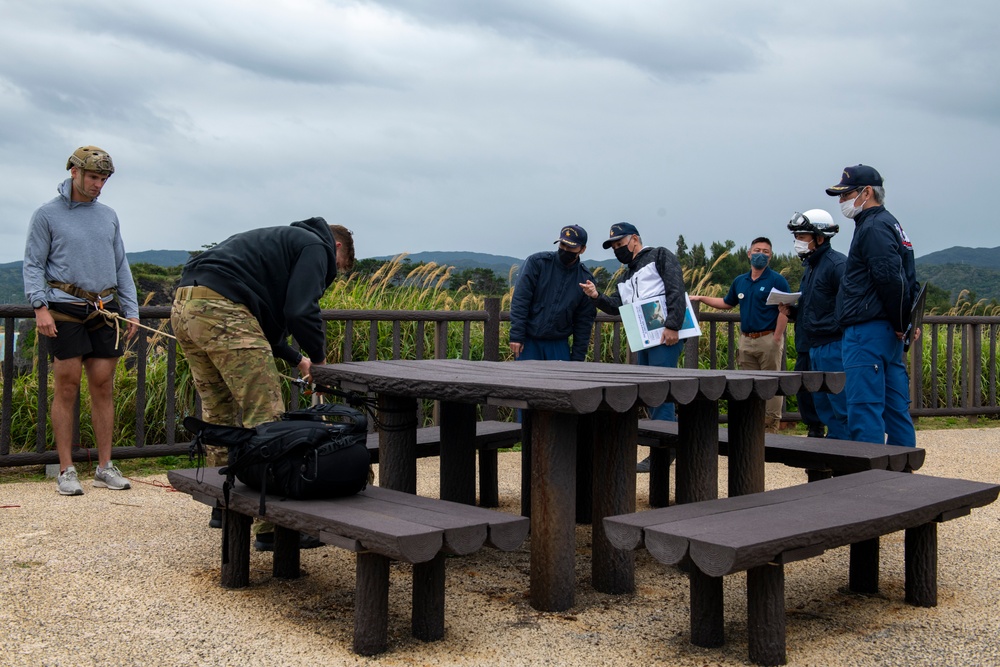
78 243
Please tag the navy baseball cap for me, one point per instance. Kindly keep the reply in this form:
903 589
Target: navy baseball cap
573 236
620 230
854 178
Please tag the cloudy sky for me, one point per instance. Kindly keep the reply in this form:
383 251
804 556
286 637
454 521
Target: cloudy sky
486 125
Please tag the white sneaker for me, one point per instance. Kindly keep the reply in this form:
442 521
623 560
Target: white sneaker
110 478
68 483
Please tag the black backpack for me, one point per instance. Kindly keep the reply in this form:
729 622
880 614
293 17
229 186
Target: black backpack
318 452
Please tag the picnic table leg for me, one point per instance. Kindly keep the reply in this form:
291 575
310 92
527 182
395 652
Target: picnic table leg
614 438
863 569
707 608
585 439
659 476
766 614
698 451
427 620
286 553
697 480
235 549
526 463
397 443
458 452
746 446
489 482
371 604
553 505
920 547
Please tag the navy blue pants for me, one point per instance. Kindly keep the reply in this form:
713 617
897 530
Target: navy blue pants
807 406
878 386
832 408
545 350
665 356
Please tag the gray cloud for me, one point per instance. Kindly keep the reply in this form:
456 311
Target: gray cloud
480 125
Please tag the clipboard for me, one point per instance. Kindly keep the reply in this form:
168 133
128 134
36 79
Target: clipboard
916 316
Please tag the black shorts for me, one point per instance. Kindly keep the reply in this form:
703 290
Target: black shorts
74 340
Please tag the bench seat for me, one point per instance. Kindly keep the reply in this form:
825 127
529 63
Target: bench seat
377 524
490 436
820 457
761 532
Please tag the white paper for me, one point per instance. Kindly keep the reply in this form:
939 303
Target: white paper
690 327
777 296
644 320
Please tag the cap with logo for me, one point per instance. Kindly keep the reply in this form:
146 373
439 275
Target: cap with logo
620 230
855 178
572 236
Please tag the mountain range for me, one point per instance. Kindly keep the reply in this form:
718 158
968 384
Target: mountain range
499 264
953 269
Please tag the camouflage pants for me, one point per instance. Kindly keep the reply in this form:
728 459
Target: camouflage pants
230 361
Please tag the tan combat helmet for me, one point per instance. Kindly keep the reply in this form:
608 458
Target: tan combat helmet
91 158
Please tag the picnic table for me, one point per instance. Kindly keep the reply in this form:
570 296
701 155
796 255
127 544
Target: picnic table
570 405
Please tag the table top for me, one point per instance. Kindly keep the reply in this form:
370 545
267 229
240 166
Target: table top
577 387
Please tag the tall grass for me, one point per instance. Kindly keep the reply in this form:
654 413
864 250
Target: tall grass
392 288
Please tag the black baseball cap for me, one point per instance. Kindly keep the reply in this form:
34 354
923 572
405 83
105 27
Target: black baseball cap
855 178
620 230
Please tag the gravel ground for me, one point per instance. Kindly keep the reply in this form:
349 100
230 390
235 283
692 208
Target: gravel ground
131 577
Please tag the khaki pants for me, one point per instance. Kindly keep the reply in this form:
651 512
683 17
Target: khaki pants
764 354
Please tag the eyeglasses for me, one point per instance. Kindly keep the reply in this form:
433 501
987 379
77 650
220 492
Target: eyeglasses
852 193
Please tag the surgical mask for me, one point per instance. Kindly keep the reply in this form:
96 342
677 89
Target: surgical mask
566 257
624 255
759 260
802 248
849 209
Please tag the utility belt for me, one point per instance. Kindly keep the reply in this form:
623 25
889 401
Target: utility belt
196 292
100 316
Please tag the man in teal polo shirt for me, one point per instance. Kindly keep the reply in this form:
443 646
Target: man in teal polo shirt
762 327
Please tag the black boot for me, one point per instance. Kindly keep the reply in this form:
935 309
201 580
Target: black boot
216 520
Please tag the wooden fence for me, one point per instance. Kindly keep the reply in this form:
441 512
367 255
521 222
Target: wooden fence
954 372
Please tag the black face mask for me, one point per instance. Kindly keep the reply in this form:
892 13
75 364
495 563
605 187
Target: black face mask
624 255
566 257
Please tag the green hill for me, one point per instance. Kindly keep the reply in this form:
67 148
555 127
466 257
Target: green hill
12 282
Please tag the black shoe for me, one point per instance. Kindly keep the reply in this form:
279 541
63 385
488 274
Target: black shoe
816 434
643 465
265 542
216 520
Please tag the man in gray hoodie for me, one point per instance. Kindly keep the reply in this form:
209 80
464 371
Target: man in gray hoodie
74 265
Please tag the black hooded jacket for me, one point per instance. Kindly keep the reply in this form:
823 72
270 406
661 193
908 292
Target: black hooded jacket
279 273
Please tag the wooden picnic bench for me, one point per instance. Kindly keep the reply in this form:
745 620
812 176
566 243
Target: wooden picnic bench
490 436
377 524
581 417
820 457
761 532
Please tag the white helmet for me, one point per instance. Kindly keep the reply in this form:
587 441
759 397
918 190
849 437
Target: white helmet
815 221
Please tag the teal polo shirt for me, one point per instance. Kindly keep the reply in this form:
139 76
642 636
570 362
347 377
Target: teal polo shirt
751 296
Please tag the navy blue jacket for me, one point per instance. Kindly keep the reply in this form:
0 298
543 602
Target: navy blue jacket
880 280
751 296
548 303
816 313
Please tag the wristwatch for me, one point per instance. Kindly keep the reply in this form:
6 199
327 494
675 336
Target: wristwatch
37 303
